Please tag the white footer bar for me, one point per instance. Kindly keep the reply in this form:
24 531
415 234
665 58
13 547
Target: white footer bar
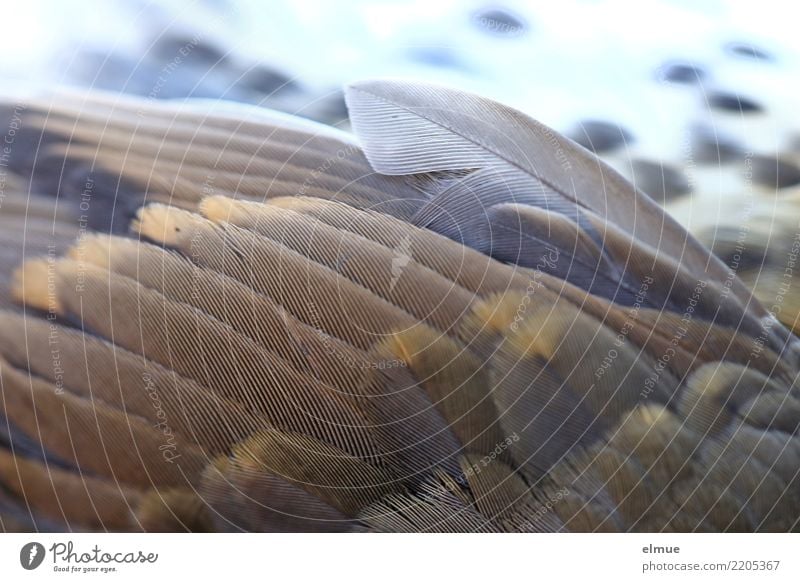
378 558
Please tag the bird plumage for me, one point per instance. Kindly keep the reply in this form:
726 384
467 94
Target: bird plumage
553 352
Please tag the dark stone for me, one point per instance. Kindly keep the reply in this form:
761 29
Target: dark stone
187 48
600 136
267 81
733 102
743 49
709 147
499 22
680 72
774 172
661 182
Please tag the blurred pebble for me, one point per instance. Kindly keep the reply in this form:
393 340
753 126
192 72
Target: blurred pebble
742 49
600 136
684 73
185 48
196 83
708 146
774 172
499 22
661 182
733 102
267 80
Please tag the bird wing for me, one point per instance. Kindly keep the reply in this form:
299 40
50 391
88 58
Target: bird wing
294 362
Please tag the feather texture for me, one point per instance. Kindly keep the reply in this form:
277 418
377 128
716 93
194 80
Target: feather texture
472 325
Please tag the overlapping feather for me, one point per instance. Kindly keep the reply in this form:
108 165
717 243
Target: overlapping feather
474 325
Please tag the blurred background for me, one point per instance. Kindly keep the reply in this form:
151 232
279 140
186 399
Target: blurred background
694 101
634 63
